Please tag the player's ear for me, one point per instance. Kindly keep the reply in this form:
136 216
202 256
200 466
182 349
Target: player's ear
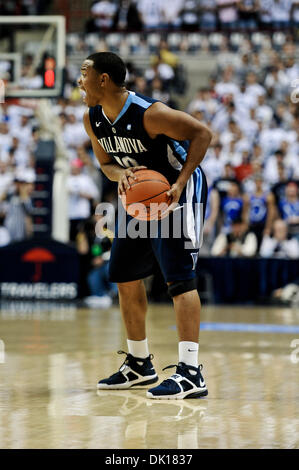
104 78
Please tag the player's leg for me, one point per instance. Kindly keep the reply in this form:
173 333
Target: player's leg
178 259
187 308
133 306
130 261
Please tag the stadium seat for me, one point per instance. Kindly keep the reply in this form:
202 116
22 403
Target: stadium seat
72 41
174 41
236 41
153 41
257 41
113 42
92 42
215 41
195 41
133 41
278 40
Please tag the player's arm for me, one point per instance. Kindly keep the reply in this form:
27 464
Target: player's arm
110 168
160 119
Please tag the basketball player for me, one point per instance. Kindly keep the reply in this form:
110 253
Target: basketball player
173 143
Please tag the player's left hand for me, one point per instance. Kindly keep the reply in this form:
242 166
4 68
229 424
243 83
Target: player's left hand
174 195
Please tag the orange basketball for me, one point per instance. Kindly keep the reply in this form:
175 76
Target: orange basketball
147 198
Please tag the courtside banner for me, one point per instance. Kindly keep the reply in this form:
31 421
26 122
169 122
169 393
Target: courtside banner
39 269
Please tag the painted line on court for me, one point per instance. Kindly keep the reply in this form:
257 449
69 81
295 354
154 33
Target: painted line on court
247 327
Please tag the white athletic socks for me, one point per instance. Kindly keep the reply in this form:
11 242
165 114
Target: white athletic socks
138 348
188 353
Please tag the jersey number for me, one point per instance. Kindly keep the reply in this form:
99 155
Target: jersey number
126 162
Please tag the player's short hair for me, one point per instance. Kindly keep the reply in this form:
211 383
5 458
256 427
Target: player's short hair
110 63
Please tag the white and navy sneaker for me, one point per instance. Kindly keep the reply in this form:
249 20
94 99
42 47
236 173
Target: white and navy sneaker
180 385
134 371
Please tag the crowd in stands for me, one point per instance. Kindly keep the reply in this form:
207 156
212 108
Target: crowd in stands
192 15
252 165
185 15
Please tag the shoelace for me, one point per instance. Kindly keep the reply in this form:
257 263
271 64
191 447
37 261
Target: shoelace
179 365
126 361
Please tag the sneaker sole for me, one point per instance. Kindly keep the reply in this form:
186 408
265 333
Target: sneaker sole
179 396
126 385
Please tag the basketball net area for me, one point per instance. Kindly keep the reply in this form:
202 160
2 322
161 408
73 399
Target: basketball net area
32 62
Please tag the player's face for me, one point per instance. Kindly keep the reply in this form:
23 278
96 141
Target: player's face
89 83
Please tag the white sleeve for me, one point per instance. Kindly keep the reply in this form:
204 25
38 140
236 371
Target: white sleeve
219 245
291 248
267 247
249 246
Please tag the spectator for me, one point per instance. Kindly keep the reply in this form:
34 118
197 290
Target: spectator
295 13
281 14
264 112
277 82
248 10
19 208
289 208
140 86
288 294
228 14
232 207
5 140
160 70
273 166
244 170
208 15
151 14
253 88
227 85
157 91
239 242
213 164
171 13
261 209
73 132
6 180
95 251
103 12
128 17
265 14
4 233
279 245
190 16
82 191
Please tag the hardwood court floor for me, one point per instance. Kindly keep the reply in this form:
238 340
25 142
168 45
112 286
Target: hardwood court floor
54 357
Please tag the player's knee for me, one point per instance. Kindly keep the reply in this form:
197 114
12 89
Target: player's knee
128 286
180 287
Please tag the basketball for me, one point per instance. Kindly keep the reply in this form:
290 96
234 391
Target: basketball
147 198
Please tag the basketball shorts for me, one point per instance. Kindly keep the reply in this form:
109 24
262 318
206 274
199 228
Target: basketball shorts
172 242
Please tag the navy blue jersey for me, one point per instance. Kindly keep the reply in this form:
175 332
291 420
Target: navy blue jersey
128 143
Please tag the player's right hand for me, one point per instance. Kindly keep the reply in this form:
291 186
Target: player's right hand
123 183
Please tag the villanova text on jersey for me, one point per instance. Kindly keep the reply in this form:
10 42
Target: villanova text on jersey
126 140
